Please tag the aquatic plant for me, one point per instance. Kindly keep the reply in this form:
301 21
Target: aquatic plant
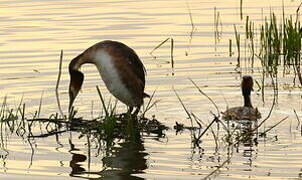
250 37
171 51
279 44
241 12
270 44
237 37
292 35
217 27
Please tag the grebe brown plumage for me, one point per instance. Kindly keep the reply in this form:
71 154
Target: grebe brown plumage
247 111
120 68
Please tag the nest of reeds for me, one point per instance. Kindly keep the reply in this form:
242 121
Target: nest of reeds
116 126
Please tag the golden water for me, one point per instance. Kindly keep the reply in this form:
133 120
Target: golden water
33 33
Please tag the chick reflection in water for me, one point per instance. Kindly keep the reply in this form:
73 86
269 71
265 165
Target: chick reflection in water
246 112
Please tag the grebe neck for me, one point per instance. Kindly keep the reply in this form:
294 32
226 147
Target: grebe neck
247 101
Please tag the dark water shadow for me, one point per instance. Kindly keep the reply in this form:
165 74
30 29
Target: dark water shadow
121 161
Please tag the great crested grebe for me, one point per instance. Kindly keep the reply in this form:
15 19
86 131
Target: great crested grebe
120 68
246 112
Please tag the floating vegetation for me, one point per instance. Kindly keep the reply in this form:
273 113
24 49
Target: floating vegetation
106 128
118 126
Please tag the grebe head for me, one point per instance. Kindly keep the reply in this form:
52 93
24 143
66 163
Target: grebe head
76 81
247 87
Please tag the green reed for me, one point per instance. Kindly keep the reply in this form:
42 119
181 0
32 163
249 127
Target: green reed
271 44
241 12
171 49
279 43
110 119
250 37
292 46
230 48
217 27
237 37
13 120
113 125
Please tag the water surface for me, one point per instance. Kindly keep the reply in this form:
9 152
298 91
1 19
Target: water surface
33 33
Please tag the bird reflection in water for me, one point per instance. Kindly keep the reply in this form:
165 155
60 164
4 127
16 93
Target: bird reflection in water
122 161
76 159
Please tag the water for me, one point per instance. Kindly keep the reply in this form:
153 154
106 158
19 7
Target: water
34 32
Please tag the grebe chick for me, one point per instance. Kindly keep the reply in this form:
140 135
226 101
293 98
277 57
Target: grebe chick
120 68
246 112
